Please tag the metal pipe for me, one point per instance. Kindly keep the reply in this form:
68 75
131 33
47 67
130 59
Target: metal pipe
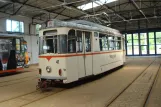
137 19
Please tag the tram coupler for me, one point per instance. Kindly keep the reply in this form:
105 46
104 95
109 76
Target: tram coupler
44 84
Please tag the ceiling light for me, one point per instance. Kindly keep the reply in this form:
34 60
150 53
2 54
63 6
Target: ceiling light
93 4
106 1
87 6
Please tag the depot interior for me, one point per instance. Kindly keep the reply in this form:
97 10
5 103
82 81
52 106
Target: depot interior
138 20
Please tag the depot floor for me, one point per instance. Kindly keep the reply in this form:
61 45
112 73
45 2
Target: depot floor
137 84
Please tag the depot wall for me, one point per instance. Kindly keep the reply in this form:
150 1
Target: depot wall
29 35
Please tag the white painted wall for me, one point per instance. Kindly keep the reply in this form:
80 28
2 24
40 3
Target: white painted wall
33 48
29 35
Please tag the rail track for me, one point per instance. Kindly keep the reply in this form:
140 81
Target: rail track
150 91
111 101
58 90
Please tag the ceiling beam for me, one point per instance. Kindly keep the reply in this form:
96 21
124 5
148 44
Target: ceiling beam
137 19
60 7
111 10
106 7
20 7
39 15
60 13
47 11
138 8
147 1
83 12
123 11
9 14
5 5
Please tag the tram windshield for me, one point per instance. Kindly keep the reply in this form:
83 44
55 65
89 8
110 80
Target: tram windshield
51 44
58 44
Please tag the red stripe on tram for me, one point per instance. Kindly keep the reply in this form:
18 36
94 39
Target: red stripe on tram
71 55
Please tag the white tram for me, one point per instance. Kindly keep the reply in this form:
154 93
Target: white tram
70 51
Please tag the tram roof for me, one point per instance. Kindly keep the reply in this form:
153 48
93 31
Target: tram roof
82 24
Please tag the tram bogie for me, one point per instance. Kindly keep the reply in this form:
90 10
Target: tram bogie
70 53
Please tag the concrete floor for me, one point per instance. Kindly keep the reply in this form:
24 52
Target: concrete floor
137 84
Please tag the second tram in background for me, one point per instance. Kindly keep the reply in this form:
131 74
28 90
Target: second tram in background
73 50
13 50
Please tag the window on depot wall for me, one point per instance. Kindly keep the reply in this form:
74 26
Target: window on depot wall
14 26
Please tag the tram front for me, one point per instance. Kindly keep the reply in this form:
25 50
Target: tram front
52 58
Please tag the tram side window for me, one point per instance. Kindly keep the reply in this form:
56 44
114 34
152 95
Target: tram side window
88 41
118 43
79 41
71 41
111 42
62 43
103 41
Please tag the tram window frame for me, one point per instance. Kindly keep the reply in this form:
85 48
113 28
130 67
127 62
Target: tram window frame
62 43
103 42
88 45
54 45
111 41
71 38
49 42
50 34
118 43
79 41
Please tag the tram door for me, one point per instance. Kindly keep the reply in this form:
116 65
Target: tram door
85 57
87 39
81 67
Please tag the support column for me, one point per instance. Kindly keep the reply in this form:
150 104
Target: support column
147 37
139 37
126 37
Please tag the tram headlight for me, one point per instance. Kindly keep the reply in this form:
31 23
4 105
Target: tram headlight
48 69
